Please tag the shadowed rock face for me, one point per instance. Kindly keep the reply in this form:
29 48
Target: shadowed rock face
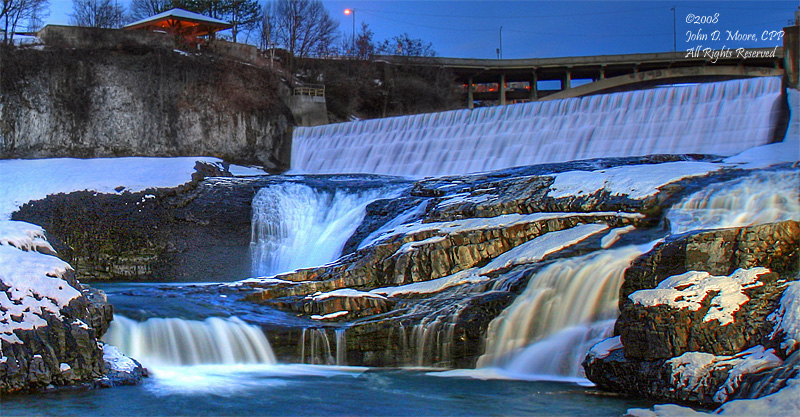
62 102
70 338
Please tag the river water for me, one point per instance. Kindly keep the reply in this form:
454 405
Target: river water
284 390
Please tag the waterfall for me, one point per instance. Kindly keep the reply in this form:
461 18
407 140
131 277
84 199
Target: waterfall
315 347
565 307
761 197
172 341
716 118
295 226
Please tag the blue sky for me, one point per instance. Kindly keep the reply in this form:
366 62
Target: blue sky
538 29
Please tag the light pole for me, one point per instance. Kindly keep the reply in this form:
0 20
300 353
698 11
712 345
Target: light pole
501 42
674 38
352 12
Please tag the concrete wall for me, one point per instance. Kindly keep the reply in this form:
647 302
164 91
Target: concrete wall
308 110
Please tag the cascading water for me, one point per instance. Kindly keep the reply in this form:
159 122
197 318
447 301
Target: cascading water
566 305
295 226
716 118
762 197
172 341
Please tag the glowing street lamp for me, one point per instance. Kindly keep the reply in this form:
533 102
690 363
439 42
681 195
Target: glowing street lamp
352 12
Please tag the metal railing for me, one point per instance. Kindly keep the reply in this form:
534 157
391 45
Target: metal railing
314 90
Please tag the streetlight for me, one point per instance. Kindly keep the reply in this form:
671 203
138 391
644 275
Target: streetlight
352 12
500 50
674 37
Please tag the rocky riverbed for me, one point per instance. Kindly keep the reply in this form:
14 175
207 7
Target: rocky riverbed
434 275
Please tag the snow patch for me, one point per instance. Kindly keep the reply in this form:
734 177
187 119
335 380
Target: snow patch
635 181
117 361
345 292
604 348
330 315
24 236
487 223
536 249
787 318
34 179
433 286
688 291
35 287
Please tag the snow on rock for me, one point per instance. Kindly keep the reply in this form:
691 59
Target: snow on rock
785 402
529 252
484 223
35 286
433 286
24 236
787 318
688 291
117 361
345 292
35 179
635 181
767 155
330 315
604 348
755 359
536 249
691 369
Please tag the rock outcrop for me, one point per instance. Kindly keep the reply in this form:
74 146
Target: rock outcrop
697 313
50 324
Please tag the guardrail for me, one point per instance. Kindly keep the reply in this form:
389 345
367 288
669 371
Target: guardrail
317 90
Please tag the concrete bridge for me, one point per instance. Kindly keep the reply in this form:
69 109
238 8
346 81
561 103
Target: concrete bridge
510 80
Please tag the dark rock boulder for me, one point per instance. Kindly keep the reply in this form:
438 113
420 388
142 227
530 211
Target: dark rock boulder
659 331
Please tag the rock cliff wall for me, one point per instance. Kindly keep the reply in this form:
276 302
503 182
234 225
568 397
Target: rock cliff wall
139 101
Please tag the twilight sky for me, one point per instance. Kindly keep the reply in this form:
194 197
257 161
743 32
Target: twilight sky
538 29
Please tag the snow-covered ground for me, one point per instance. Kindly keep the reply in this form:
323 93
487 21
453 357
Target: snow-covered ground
25 180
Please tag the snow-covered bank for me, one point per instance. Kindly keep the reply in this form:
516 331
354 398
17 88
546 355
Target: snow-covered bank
33 179
41 295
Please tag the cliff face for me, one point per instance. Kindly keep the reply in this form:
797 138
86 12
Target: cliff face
140 101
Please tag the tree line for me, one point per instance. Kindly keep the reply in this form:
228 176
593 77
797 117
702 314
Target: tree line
304 28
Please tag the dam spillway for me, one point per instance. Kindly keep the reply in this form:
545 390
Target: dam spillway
721 118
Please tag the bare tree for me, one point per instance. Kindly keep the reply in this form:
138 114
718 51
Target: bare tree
141 9
243 15
304 28
16 13
266 26
97 13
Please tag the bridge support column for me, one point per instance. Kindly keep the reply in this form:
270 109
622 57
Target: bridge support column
501 90
602 75
470 100
534 86
567 81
